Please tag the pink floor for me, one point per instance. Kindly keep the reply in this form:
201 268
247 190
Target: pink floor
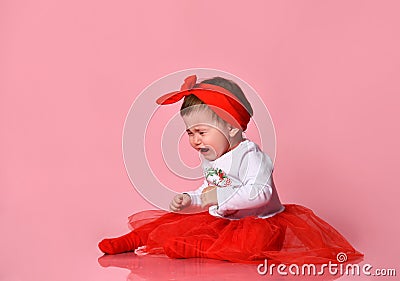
328 72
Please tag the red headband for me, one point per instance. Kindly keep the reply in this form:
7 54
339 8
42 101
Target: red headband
225 104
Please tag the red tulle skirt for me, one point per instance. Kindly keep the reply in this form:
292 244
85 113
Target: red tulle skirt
294 236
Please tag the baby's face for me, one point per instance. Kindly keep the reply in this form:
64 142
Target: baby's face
206 135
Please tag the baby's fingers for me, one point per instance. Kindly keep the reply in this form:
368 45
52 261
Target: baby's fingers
176 205
186 200
173 207
178 198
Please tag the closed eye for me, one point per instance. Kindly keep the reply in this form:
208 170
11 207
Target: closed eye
190 133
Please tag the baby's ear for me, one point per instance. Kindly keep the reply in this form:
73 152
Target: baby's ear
233 131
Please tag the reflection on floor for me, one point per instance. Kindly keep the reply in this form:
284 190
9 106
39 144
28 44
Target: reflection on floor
151 267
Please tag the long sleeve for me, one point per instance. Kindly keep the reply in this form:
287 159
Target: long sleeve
255 189
195 195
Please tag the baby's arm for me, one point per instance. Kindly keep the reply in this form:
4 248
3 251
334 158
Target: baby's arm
256 189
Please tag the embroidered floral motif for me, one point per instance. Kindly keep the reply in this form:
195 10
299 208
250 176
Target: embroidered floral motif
217 177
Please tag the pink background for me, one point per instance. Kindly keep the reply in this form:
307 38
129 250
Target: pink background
69 71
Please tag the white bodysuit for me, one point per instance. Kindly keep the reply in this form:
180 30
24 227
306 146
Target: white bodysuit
245 186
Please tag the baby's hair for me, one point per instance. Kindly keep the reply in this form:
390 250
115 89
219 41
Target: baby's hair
192 103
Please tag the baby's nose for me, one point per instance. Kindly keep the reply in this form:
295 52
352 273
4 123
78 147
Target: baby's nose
197 139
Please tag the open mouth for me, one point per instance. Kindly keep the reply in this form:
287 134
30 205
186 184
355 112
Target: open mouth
204 149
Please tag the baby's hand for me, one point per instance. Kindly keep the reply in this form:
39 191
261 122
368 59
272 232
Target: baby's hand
209 196
180 202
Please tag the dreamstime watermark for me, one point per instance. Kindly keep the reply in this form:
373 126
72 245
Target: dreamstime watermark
330 268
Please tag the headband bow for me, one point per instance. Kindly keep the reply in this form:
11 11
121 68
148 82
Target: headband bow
225 104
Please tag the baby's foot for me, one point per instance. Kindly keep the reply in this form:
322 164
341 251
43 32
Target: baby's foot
126 243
